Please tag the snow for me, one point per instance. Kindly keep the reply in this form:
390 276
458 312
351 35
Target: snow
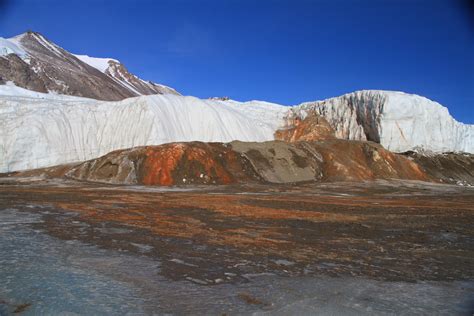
41 130
11 90
100 64
8 46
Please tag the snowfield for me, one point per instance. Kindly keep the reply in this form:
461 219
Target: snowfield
41 130
9 46
100 64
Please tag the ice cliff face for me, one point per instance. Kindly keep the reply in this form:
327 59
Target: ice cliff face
39 130
33 62
398 121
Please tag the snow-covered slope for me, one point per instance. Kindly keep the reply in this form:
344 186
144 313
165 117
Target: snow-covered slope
39 132
100 64
33 62
115 70
398 121
10 47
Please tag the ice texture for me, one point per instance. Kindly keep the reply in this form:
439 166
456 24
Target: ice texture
397 120
51 276
41 130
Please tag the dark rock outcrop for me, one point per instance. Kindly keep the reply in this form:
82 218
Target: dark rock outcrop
48 67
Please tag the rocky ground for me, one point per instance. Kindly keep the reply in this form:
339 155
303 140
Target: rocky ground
279 162
242 248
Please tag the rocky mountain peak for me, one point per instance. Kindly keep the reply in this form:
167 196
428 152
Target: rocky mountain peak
33 62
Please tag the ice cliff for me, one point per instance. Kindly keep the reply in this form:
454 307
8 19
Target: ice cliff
40 130
398 121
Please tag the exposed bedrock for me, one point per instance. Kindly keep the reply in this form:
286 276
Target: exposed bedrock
33 62
241 162
454 168
169 164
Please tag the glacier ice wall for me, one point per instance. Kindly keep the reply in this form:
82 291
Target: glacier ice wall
398 121
39 132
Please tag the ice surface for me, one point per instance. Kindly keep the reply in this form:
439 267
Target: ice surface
410 121
68 277
44 132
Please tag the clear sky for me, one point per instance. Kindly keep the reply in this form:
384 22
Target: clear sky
280 51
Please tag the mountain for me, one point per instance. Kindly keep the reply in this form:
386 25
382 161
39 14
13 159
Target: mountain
33 62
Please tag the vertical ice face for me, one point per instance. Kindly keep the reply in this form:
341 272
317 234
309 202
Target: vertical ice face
411 121
398 121
40 130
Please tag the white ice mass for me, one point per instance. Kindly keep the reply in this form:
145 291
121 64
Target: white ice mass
397 120
40 130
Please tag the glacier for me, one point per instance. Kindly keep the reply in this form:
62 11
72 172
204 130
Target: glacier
398 121
40 130
51 130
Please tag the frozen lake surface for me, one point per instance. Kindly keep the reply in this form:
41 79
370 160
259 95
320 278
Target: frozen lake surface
42 275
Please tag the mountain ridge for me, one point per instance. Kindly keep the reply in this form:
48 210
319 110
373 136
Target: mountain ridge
33 62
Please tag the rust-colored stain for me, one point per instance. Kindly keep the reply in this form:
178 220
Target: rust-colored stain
366 161
258 221
267 224
177 163
210 165
312 128
160 163
217 163
303 224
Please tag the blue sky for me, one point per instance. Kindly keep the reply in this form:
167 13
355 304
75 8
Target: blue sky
280 51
